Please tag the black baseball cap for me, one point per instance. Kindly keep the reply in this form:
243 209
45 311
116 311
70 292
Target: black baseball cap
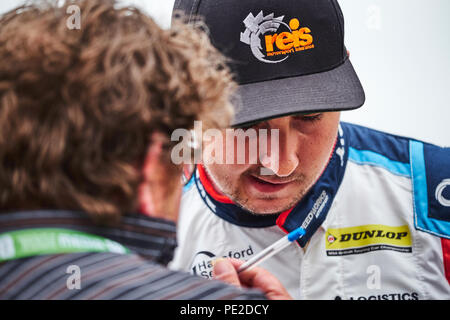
288 55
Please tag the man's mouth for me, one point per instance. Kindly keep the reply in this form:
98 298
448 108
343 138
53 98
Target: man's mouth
267 185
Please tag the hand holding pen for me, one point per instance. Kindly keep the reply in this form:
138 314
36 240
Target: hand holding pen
240 273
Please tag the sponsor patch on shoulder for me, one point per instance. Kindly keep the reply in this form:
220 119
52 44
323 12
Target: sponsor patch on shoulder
367 238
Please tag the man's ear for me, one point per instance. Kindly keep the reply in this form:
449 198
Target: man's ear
161 187
150 166
152 160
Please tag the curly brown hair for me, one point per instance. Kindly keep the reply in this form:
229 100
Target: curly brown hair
78 107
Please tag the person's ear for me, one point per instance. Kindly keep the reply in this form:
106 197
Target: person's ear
160 190
151 163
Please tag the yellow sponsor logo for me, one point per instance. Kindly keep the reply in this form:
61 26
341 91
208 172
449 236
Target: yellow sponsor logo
298 39
372 236
280 39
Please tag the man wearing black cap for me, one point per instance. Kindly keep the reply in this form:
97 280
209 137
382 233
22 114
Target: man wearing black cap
375 206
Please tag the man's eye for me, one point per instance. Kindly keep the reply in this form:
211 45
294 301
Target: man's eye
254 126
245 128
309 117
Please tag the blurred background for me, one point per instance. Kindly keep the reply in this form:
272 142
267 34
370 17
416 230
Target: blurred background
400 50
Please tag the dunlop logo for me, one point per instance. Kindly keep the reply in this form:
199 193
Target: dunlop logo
368 238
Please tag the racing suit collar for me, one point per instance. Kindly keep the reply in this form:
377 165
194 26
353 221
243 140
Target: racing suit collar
309 213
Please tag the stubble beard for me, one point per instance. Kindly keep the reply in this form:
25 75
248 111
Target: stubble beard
226 186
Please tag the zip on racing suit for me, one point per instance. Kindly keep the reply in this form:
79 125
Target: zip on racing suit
377 224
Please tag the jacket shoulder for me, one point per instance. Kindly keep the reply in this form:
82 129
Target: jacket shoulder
427 165
391 146
430 174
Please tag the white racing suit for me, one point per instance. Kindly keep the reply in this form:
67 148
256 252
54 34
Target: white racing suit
377 224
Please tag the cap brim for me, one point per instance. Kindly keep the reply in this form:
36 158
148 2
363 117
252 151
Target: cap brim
335 90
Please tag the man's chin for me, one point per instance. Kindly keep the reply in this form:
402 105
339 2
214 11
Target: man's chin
267 206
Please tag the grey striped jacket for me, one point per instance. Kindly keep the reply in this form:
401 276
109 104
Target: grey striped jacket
105 276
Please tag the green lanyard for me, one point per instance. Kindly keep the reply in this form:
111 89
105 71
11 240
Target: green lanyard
32 242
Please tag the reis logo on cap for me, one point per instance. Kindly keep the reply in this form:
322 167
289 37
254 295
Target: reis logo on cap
278 38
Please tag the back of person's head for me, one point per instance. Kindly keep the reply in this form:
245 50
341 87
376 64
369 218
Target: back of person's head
78 106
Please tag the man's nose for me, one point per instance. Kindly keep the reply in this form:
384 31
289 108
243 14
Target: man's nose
283 159
288 159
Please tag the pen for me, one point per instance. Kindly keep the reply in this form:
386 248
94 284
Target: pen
272 249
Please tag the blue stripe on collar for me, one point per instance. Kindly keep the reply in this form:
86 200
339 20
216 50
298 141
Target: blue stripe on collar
312 210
